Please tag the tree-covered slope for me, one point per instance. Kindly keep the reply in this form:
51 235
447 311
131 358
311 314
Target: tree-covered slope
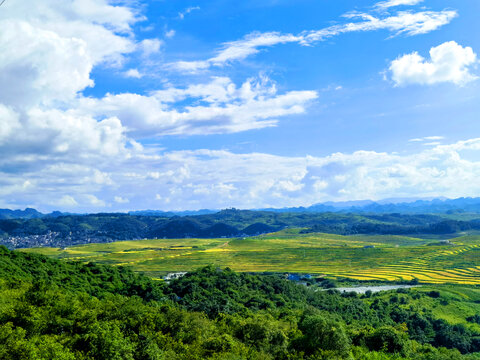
57 310
79 229
93 279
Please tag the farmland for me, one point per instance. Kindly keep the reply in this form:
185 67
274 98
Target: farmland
361 257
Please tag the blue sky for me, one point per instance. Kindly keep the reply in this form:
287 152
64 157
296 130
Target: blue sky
117 105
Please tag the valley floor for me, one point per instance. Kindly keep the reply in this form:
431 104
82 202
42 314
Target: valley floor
384 258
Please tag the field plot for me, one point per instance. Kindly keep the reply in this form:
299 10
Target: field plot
358 257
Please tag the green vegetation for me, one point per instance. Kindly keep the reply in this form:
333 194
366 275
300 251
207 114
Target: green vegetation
52 309
232 222
380 257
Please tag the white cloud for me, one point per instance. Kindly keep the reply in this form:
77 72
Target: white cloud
13 185
238 50
121 200
10 122
434 137
219 179
181 15
67 201
216 107
427 138
408 23
36 63
150 47
449 62
433 143
94 201
100 177
102 12
404 22
133 73
102 27
393 3
43 137
49 49
170 34
258 180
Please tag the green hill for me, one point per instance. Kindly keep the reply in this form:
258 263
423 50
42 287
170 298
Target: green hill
51 309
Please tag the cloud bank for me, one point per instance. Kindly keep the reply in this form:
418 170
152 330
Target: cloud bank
219 179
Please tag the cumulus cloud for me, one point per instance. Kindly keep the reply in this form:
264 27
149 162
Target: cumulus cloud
36 63
98 24
449 62
405 22
219 106
49 49
62 136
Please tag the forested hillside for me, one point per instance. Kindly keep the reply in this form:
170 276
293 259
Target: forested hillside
66 310
78 229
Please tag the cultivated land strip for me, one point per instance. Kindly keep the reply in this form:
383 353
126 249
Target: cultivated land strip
389 258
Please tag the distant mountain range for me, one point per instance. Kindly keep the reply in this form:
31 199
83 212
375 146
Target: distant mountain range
28 213
172 213
387 206
406 206
403 206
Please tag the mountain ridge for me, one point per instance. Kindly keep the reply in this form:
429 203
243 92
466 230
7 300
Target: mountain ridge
392 205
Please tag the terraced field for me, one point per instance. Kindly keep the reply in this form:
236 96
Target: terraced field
359 257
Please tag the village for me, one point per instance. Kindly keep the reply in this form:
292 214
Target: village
54 239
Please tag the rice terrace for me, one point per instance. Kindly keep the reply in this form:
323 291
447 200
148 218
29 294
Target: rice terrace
360 257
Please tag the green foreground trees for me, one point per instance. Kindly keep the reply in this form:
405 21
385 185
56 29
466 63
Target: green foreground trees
65 310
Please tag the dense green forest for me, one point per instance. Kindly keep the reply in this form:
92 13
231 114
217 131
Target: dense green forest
233 222
68 310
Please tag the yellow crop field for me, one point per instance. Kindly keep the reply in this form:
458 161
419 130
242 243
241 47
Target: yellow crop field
388 258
